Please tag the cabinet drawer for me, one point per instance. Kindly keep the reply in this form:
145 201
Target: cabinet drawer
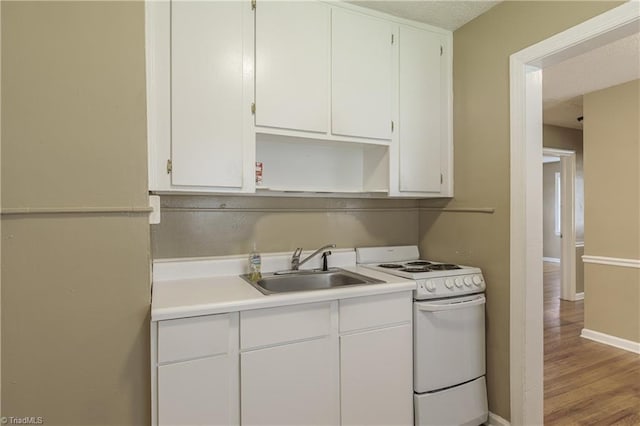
271 326
375 311
188 338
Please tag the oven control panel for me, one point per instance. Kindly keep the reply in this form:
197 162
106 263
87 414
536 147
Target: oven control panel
432 288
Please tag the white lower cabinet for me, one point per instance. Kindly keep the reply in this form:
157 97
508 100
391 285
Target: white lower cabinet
289 365
343 362
292 384
199 392
376 360
196 371
376 384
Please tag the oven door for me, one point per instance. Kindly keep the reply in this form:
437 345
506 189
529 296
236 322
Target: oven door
449 345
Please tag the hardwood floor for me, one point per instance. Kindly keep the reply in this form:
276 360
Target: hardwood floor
585 383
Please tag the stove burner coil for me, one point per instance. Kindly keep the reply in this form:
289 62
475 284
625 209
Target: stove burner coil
390 265
417 269
444 267
418 263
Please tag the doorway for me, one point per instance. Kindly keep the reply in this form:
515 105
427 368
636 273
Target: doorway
563 221
526 335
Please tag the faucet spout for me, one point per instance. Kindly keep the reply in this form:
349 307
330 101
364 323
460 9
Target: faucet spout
295 258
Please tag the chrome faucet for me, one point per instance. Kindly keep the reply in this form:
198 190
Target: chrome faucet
295 258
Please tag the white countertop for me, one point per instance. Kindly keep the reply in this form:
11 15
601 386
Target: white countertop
195 296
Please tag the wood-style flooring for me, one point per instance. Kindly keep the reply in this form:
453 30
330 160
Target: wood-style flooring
585 383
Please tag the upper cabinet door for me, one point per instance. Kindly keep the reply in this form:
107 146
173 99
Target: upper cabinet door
420 133
292 65
361 75
206 93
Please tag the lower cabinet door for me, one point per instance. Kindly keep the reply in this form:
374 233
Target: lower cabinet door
292 384
376 377
199 392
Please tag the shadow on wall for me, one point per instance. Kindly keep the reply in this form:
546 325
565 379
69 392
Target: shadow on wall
194 226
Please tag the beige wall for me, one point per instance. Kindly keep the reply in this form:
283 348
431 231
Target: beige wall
214 226
579 269
75 287
481 136
612 171
612 208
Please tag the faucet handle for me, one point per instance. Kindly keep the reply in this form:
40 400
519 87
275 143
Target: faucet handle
296 253
325 266
295 258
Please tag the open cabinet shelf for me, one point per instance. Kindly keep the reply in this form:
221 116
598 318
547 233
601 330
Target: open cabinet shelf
308 165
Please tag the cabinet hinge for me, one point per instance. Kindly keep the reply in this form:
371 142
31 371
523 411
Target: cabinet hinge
441 50
169 166
253 108
441 178
392 125
253 4
392 38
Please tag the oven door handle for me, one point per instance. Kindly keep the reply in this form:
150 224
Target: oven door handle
432 307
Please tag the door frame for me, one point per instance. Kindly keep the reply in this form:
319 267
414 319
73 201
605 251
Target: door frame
567 221
526 321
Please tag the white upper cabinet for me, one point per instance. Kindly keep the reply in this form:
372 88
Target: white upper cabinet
422 161
292 65
420 105
199 94
328 96
206 93
361 72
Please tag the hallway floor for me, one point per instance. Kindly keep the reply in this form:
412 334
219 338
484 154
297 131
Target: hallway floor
585 383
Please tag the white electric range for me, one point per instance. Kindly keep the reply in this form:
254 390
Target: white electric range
448 335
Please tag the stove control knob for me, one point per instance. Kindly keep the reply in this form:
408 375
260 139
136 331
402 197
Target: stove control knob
458 282
468 281
477 280
448 283
431 286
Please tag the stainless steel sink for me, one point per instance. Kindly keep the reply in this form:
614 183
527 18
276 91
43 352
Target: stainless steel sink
308 280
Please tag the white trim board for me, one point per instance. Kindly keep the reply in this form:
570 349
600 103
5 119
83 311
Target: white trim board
526 338
496 420
607 339
579 296
551 259
612 261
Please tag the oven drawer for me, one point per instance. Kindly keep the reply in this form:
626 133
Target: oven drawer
464 405
449 342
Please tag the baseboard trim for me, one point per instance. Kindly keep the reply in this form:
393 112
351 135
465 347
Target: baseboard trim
579 296
496 420
617 342
612 261
551 259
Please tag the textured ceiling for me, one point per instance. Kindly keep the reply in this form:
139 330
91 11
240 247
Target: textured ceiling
565 83
451 14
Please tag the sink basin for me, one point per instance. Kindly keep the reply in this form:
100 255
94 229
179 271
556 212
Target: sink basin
308 280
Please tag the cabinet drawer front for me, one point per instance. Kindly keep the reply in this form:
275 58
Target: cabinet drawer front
271 326
189 338
375 311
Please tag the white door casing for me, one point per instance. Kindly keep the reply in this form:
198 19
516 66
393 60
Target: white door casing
526 339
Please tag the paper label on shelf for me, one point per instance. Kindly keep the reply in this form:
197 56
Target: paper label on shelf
258 173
